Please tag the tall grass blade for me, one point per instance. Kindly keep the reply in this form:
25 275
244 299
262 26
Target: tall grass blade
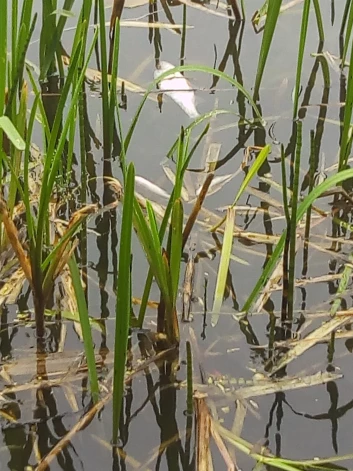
114 73
320 25
21 122
105 87
123 301
12 133
149 239
55 148
176 247
346 142
223 265
51 34
3 60
182 165
302 41
85 326
293 224
347 38
273 11
21 56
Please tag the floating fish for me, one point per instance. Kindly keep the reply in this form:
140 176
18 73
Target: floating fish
151 186
177 88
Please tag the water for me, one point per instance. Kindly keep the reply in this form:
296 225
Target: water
303 424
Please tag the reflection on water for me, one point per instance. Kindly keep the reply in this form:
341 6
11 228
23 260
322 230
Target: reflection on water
39 417
155 431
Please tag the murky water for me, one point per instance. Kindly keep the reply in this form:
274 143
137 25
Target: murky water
302 424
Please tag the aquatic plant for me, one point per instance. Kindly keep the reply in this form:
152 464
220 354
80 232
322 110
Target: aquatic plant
164 232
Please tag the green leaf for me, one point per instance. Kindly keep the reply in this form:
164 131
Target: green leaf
223 265
12 133
123 301
86 327
346 142
260 159
302 40
176 247
273 11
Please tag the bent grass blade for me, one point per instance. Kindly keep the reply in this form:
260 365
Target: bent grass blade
11 132
260 159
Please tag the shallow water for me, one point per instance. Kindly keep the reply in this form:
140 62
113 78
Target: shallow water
303 424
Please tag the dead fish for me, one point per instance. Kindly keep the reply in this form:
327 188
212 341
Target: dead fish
177 88
151 186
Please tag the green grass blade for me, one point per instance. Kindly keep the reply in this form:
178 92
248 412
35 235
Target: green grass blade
157 258
26 191
105 86
54 154
12 133
3 58
347 37
153 250
302 41
270 26
114 74
293 224
176 247
16 157
345 139
168 210
51 34
284 185
24 41
223 265
345 16
260 159
123 301
320 25
85 326
52 261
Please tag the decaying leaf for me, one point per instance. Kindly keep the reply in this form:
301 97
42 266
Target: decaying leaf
12 234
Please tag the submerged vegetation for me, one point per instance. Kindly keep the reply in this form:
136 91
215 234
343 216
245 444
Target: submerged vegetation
50 211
